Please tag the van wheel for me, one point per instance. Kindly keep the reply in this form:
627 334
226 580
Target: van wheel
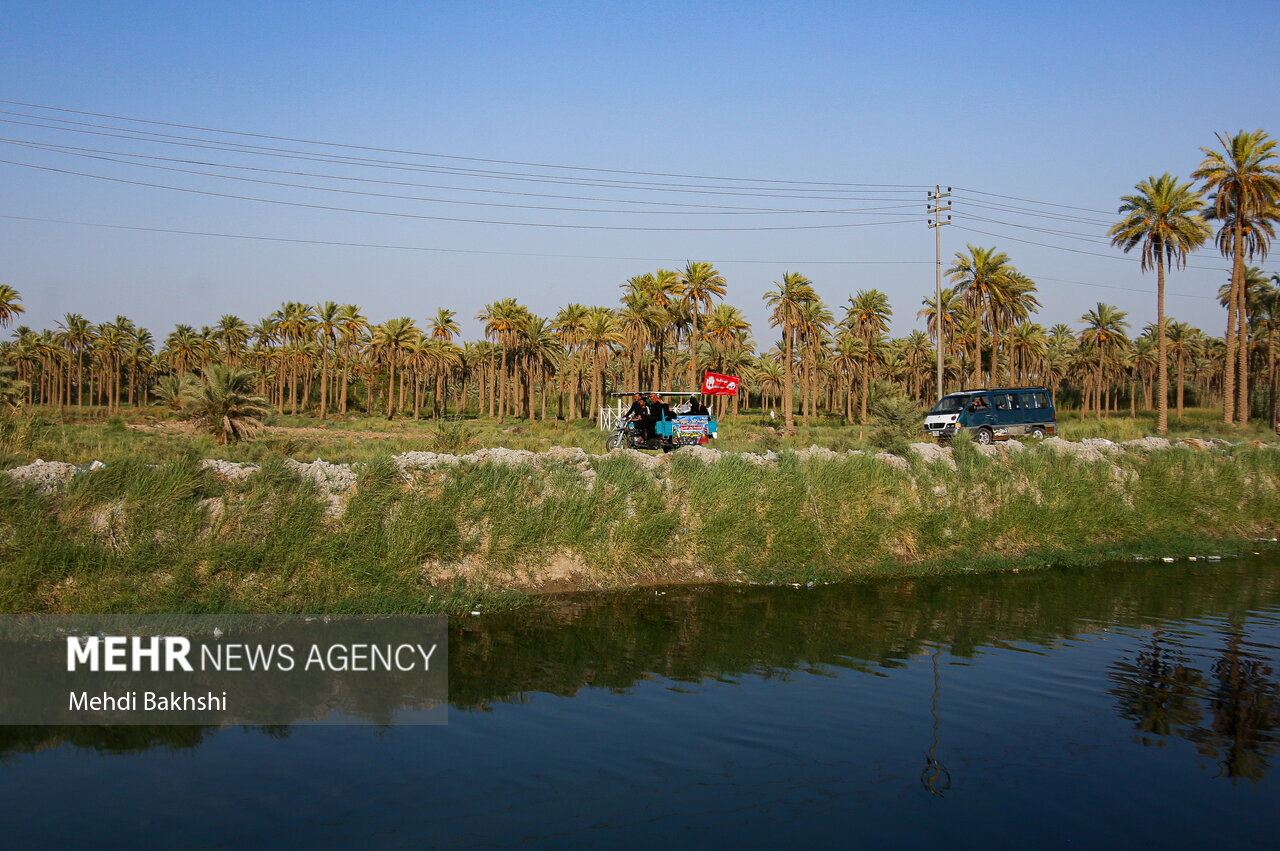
984 436
1037 432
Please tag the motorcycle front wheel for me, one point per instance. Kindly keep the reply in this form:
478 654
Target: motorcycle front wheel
614 442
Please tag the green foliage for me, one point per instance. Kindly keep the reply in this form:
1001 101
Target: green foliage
175 392
896 420
225 405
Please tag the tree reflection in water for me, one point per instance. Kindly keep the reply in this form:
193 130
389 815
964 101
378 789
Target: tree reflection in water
1229 712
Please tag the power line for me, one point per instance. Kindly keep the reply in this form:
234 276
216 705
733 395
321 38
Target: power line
342 244
434 155
309 156
105 158
408 152
1075 250
561 226
1113 287
1034 201
349 178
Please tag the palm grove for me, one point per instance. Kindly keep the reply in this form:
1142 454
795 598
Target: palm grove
670 325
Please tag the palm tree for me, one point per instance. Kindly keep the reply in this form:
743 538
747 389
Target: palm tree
225 405
443 325
787 304
981 276
10 388
600 333
175 392
569 325
1104 331
940 317
1164 219
868 316
1183 342
701 282
501 321
76 336
352 326
392 338
294 323
328 321
1246 191
10 304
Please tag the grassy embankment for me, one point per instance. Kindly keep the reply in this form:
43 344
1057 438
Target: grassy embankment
177 538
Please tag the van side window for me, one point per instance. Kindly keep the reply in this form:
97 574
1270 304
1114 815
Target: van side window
1032 400
1006 402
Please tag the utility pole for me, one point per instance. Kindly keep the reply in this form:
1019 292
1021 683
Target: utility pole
936 210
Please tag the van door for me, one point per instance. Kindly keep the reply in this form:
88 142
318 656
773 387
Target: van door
978 412
1009 414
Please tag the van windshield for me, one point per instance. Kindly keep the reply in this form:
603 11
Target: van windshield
953 404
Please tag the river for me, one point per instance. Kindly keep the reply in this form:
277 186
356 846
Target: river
1130 703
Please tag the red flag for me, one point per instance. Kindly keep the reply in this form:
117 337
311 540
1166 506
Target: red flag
716 384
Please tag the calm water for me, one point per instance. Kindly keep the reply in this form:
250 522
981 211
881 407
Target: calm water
1121 705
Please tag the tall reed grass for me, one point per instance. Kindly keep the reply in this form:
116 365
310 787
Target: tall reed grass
140 536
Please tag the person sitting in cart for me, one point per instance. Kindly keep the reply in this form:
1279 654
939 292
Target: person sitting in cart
658 411
697 409
637 410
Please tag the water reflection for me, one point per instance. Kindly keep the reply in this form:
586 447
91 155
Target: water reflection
1225 703
1213 693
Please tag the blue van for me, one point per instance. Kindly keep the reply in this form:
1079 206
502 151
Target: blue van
995 414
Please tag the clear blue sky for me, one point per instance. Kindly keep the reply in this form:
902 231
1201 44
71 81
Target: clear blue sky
1064 103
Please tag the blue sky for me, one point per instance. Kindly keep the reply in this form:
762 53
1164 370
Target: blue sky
1069 104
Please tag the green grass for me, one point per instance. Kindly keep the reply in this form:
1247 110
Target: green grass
142 536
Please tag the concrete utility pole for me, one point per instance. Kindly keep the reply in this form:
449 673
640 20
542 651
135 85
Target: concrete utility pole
936 210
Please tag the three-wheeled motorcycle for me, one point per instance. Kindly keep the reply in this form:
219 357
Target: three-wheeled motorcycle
667 433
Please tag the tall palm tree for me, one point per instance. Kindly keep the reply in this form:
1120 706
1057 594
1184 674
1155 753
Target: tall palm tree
701 283
1163 218
328 319
601 334
76 335
1183 342
1245 183
392 338
787 308
569 325
868 315
982 275
352 325
940 317
1104 332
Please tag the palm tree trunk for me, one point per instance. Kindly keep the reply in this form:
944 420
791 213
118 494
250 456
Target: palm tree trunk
787 398
1230 364
391 382
1162 357
1242 351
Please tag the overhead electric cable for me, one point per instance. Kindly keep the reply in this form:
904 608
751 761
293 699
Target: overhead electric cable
441 156
349 178
284 153
343 244
164 138
105 158
564 226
